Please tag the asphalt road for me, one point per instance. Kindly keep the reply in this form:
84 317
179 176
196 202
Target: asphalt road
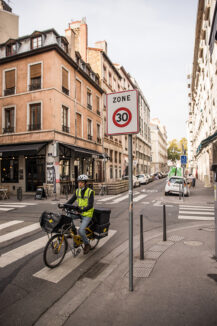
24 296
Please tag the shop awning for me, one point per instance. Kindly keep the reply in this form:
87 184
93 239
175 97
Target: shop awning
21 149
85 151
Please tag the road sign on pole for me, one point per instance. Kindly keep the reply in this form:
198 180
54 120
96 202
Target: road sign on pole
122 119
122 113
183 159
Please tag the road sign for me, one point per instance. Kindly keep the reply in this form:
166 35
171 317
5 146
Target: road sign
122 113
183 159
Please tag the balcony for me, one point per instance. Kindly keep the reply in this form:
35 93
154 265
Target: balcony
9 91
65 90
34 127
8 130
99 140
89 106
90 137
34 86
65 128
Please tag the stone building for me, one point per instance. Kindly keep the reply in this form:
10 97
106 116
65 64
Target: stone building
202 84
158 147
50 113
9 23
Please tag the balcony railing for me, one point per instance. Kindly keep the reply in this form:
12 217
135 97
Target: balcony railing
99 140
65 128
9 91
34 127
89 106
90 137
65 90
8 130
34 86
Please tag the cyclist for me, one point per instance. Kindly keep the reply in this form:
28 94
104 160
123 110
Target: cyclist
85 200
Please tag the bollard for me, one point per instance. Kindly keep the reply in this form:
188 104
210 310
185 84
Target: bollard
141 239
164 224
19 194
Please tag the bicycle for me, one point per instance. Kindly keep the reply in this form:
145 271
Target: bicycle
64 228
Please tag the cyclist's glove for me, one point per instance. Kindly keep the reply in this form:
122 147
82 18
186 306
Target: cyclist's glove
79 210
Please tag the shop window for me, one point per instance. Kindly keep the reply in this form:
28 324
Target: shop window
9 82
34 116
9 170
64 168
35 77
65 81
9 120
65 119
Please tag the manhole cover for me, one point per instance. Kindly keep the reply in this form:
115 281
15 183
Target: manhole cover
193 243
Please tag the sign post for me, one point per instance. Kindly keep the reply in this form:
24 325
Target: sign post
123 119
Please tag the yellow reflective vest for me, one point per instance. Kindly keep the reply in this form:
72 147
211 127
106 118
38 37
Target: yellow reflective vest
83 202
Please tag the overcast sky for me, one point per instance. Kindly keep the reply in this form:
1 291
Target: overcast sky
152 39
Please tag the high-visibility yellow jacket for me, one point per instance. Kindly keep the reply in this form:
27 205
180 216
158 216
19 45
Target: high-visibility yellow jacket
83 202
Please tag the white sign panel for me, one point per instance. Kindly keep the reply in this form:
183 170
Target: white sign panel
122 113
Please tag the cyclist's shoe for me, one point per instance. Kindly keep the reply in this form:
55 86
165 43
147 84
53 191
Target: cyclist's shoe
87 248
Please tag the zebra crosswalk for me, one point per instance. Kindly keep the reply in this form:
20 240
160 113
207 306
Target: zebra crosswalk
7 233
201 213
137 196
9 206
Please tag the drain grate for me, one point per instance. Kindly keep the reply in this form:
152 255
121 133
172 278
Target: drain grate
175 238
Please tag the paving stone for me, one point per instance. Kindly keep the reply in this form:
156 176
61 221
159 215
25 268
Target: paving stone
152 254
158 248
175 238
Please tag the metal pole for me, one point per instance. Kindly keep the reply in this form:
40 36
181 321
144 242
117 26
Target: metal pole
141 239
164 224
130 171
215 200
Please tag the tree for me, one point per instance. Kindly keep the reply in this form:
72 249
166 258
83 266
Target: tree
183 146
173 151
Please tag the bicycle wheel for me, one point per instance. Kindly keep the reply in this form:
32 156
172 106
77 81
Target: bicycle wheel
55 250
93 242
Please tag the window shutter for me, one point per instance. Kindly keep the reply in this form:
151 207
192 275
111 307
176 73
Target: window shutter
35 71
78 116
65 78
78 90
10 79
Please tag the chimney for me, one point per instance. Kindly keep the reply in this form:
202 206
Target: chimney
101 45
81 37
70 36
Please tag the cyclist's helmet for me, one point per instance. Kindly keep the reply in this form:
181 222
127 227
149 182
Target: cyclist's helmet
83 177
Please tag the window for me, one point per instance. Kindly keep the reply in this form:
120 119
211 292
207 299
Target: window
116 173
104 100
118 88
35 116
114 84
89 99
36 42
119 157
110 79
35 77
116 157
104 73
111 155
65 81
79 125
65 119
9 82
8 120
97 105
89 129
11 49
9 170
98 133
111 172
78 90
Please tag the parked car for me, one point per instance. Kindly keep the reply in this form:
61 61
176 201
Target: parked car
142 178
175 185
136 182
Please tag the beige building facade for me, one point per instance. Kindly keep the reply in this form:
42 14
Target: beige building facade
158 147
50 114
202 84
9 23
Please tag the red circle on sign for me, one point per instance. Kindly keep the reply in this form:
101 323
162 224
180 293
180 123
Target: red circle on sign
127 122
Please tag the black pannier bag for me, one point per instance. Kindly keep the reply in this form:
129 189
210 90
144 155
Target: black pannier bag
51 222
100 225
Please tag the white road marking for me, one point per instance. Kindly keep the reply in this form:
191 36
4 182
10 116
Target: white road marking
7 224
69 263
191 217
139 198
4 209
199 207
196 212
118 200
12 205
17 233
20 252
